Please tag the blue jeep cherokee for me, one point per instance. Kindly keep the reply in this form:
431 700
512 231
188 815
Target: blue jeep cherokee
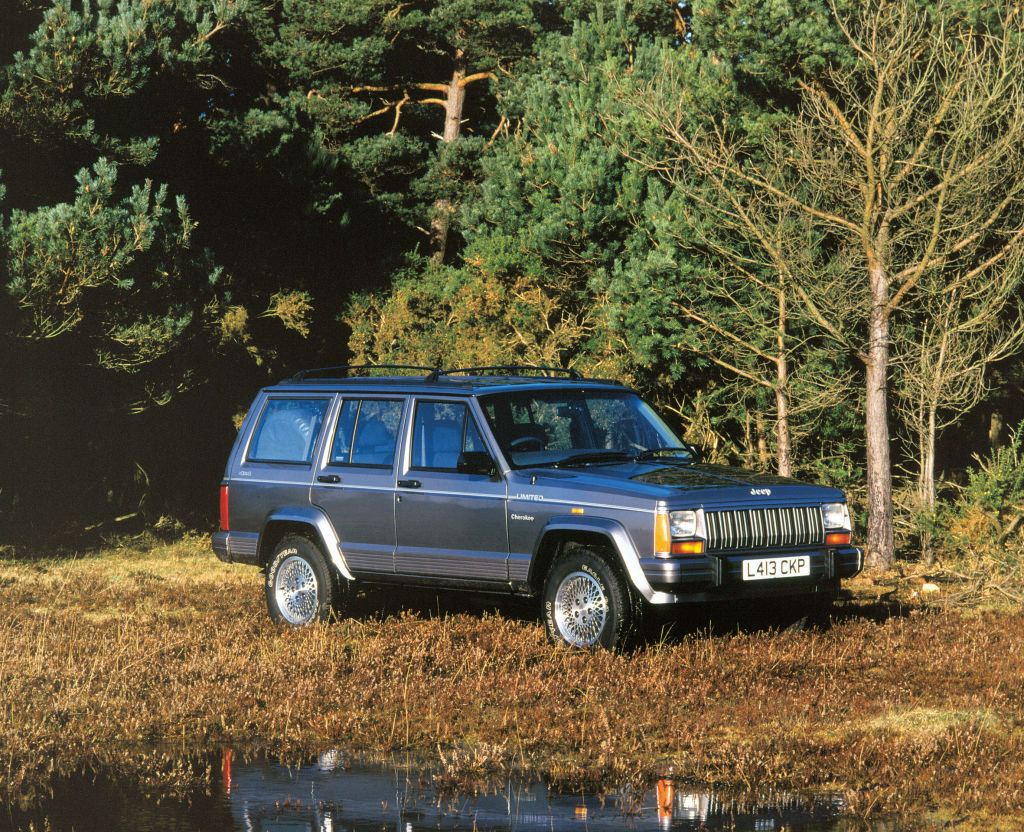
515 480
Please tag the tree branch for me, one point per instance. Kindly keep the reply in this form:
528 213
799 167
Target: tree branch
477 76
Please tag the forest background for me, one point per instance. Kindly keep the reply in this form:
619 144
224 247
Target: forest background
798 227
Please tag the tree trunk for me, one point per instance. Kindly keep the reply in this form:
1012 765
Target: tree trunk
928 488
785 447
762 441
748 437
881 549
454 102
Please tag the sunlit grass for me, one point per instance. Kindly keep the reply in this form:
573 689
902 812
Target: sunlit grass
109 655
924 723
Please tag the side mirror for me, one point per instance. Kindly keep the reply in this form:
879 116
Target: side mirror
476 462
696 452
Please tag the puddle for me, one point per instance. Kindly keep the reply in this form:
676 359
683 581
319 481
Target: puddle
335 793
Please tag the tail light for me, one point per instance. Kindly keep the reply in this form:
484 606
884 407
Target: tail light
224 525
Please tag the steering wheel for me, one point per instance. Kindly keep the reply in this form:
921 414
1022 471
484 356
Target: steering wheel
526 443
620 441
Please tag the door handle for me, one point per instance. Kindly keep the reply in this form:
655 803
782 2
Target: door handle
331 478
409 483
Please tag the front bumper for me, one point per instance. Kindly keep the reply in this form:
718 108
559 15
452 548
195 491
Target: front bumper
720 574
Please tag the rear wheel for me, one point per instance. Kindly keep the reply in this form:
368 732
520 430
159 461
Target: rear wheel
301 587
586 602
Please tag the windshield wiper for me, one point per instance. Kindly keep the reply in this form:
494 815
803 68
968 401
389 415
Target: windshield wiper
654 453
593 456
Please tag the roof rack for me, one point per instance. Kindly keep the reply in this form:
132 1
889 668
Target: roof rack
505 370
333 372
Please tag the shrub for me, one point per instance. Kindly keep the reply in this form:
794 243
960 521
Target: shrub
986 523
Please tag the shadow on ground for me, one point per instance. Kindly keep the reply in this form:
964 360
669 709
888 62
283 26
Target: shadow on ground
660 625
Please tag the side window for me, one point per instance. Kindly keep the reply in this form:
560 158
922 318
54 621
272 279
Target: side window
442 430
288 430
367 432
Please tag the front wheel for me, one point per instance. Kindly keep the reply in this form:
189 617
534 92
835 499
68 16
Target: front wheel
300 586
586 603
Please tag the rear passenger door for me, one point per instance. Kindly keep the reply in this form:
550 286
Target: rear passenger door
355 485
450 525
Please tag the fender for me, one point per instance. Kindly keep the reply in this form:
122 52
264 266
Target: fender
309 516
622 542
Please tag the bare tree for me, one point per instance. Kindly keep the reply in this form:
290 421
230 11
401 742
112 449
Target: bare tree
742 307
968 321
910 164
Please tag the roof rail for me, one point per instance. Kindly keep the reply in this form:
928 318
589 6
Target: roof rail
333 372
505 370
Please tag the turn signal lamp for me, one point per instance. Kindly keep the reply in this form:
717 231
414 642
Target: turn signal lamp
662 540
687 547
837 539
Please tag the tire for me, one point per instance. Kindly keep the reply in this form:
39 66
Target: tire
801 612
586 602
301 588
823 607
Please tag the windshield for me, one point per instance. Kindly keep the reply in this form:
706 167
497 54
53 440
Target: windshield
568 426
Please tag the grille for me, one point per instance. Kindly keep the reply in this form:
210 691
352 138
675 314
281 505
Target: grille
764 528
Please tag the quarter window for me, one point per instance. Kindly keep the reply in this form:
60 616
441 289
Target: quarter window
288 430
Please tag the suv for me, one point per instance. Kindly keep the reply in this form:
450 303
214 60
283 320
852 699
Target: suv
516 480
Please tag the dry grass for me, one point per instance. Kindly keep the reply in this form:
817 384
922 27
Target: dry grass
106 657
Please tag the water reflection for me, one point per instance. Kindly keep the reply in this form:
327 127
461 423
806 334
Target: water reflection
337 792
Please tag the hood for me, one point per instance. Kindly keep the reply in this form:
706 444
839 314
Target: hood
708 476
709 484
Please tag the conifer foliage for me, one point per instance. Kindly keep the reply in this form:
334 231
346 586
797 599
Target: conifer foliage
199 195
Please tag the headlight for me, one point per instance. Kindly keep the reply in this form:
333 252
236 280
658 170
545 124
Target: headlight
674 533
835 516
682 524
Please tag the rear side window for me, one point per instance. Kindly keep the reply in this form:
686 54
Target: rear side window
367 433
288 430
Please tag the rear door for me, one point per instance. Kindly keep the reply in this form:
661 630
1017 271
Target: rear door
449 524
355 484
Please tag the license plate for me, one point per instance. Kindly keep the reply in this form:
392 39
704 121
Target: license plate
764 569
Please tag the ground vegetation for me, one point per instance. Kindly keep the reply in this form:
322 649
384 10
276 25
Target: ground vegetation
129 660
